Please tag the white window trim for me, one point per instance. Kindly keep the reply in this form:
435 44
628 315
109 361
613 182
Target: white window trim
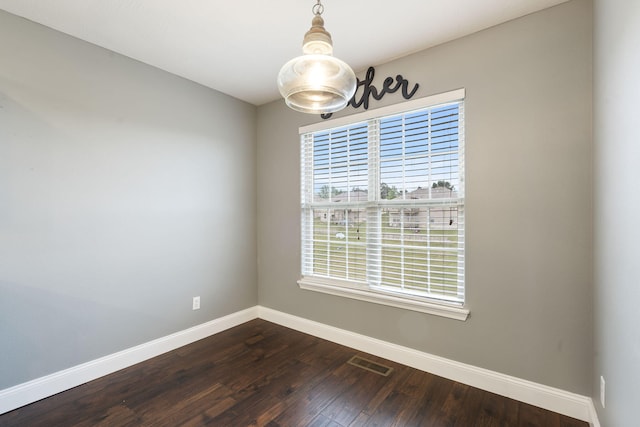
389 110
351 290
363 292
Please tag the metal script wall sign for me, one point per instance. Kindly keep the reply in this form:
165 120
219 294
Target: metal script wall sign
389 85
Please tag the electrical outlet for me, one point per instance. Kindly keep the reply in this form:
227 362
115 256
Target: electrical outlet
602 384
196 303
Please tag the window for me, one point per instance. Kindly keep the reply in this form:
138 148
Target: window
383 205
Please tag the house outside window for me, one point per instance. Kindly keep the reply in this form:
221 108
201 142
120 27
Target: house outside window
382 206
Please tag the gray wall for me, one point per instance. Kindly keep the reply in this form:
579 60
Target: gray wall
529 239
124 192
617 210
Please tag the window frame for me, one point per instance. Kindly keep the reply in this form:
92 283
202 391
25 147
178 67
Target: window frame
363 291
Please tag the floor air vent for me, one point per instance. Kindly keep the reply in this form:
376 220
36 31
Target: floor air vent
370 365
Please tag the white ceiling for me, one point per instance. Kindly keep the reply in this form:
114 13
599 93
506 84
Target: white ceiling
238 47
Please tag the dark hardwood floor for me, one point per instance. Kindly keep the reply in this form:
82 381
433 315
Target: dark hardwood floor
263 374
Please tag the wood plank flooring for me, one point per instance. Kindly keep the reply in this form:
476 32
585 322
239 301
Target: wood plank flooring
262 374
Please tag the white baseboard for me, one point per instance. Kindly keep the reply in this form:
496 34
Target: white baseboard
32 391
553 399
593 420
563 402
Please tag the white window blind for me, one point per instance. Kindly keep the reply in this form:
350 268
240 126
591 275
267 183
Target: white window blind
383 204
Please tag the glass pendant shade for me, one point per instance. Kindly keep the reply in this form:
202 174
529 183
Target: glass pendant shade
317 82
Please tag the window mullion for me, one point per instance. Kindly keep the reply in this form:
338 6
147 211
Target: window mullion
374 217
428 231
347 212
404 210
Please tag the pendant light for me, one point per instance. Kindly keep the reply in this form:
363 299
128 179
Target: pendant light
316 82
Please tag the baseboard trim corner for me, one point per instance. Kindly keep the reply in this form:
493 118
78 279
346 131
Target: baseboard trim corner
553 399
31 391
593 420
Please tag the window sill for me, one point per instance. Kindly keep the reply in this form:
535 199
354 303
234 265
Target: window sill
331 287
